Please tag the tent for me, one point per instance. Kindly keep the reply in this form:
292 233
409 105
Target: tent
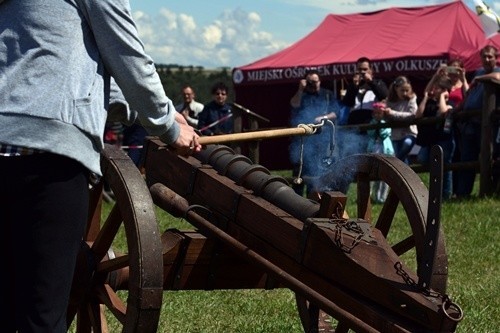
400 41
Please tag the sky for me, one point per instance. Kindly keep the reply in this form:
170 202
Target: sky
233 33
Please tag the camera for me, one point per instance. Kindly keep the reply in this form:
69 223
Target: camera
310 84
452 70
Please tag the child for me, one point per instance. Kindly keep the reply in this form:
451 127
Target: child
379 141
402 105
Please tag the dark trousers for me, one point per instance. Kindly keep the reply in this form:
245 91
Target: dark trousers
470 147
43 213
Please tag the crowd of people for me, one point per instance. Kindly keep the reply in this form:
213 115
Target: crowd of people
368 101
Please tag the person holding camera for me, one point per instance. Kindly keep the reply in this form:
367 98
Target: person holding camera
436 103
311 104
361 93
453 69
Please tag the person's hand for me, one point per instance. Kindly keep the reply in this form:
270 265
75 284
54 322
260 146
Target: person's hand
445 94
463 78
378 110
356 78
188 140
302 84
368 76
185 113
441 71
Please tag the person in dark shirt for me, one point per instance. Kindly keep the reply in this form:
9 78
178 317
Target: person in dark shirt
470 128
361 93
436 104
216 117
311 104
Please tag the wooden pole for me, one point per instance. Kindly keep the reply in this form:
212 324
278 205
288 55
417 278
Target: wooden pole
249 136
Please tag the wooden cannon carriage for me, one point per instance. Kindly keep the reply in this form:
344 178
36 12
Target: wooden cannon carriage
253 231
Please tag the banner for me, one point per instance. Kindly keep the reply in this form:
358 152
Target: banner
383 68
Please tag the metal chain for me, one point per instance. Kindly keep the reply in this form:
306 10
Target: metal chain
446 304
351 226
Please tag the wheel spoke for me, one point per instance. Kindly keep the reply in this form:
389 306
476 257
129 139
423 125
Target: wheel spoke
404 246
111 265
107 234
95 318
95 206
387 213
363 199
113 303
308 313
83 324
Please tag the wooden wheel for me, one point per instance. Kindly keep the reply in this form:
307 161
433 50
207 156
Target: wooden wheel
119 284
405 189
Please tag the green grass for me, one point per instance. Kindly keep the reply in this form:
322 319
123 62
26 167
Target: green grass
472 231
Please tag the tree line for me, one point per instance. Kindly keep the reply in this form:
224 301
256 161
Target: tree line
174 77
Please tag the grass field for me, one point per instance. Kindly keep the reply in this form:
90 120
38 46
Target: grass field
472 232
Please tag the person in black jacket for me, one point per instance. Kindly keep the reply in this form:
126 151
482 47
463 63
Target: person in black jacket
216 117
361 93
436 103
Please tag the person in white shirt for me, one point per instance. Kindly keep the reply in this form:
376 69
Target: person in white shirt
190 108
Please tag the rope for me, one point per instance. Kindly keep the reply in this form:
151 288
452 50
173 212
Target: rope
309 130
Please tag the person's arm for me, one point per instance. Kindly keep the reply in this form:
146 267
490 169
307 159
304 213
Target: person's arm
486 77
439 72
351 91
444 107
123 55
465 83
407 114
421 106
379 88
296 98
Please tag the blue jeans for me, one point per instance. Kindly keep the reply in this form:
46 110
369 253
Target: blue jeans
448 147
403 147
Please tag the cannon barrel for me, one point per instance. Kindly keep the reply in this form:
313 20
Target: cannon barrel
257 178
